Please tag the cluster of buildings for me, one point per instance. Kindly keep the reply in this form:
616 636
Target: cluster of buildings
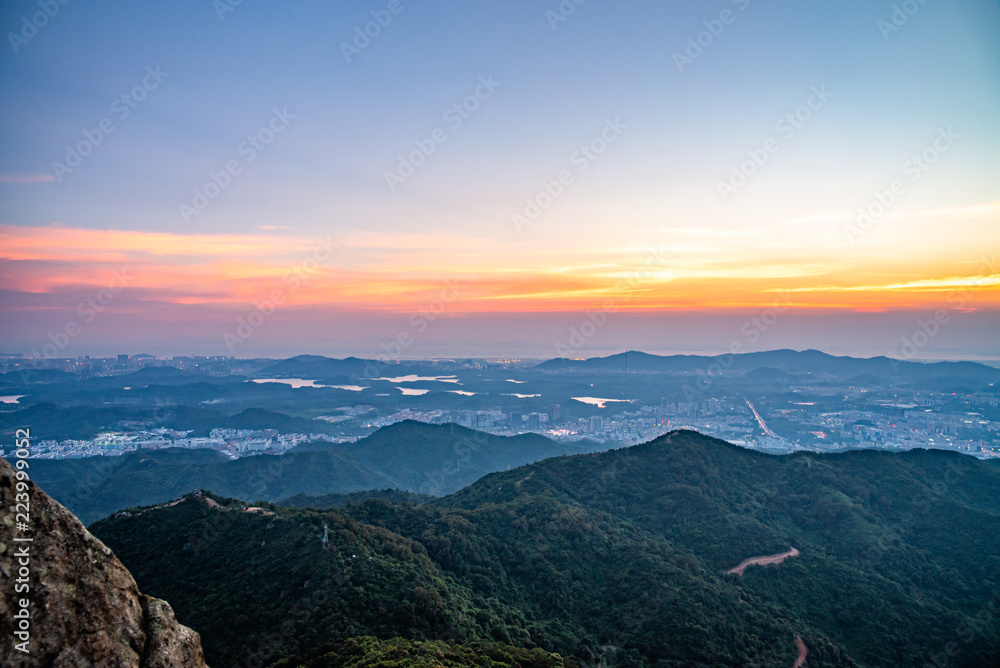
925 420
86 366
829 416
232 442
626 428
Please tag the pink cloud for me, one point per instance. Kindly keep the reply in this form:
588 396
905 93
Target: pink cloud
26 178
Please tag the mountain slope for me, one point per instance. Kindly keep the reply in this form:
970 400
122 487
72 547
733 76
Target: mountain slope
217 561
341 500
881 530
897 556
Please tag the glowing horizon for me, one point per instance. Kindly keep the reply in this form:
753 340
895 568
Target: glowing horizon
805 155
238 269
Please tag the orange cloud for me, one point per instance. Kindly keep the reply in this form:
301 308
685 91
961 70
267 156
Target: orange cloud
406 272
26 178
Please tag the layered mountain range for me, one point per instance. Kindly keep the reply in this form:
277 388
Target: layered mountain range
682 551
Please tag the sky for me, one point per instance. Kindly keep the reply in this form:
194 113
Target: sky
419 178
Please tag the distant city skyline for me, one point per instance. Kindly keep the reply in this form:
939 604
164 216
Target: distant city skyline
476 179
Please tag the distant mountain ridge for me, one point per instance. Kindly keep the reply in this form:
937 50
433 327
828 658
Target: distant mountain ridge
788 361
316 367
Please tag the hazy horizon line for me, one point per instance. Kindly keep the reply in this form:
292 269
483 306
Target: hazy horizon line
988 359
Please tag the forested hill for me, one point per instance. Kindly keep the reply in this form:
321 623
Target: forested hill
682 483
408 456
619 556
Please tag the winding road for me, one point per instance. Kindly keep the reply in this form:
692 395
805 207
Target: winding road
803 653
773 560
763 561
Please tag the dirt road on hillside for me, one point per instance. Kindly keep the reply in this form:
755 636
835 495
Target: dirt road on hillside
771 560
803 653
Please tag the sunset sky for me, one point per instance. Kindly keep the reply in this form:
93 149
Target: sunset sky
481 175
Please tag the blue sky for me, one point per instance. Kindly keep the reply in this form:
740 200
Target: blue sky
657 185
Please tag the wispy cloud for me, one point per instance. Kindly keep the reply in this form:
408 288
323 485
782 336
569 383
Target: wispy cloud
708 232
989 209
933 284
227 269
26 178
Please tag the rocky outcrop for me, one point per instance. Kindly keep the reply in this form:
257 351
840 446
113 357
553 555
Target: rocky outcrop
85 608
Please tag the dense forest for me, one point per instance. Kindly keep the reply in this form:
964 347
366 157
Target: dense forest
374 653
618 558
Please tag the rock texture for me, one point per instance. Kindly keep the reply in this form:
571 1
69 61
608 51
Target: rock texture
86 609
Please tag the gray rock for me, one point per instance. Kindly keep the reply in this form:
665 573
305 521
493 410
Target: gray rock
86 609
